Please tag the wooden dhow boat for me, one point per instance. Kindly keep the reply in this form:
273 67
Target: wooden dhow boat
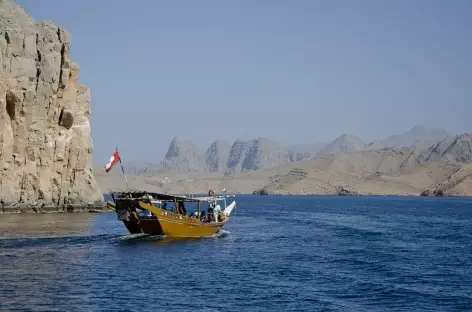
152 213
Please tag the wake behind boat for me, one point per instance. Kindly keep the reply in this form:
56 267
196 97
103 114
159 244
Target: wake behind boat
164 214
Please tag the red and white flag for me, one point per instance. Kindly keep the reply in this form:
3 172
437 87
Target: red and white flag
113 160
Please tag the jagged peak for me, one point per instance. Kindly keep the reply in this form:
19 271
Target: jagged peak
178 145
417 128
216 156
452 149
348 138
464 136
423 130
239 141
343 144
219 143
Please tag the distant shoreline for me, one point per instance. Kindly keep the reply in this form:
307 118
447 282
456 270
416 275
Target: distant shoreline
318 195
32 209
103 207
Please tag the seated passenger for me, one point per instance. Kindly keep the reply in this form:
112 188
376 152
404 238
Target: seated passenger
221 216
210 214
203 217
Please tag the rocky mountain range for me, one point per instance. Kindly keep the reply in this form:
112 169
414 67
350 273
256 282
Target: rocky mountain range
263 153
444 167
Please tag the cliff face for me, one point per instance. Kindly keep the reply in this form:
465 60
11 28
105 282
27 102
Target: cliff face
45 143
254 155
183 156
242 156
454 149
236 157
217 155
263 153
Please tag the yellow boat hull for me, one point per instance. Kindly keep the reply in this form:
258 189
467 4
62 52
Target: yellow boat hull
174 225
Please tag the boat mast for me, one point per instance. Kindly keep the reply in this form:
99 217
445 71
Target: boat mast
123 170
124 175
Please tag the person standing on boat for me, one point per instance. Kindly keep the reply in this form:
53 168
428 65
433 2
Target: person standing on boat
182 207
216 212
210 212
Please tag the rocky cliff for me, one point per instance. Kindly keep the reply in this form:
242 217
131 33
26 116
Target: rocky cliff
183 156
257 154
45 143
457 149
242 156
217 155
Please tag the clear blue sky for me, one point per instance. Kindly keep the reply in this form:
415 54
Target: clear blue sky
295 71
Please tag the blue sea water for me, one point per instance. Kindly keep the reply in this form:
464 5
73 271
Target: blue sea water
276 254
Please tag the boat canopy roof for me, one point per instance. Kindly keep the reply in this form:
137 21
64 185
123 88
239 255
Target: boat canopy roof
162 197
208 198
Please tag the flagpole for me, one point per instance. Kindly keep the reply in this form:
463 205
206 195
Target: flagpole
123 170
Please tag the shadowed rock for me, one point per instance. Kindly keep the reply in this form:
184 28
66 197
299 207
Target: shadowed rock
183 156
256 154
452 149
66 119
217 156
